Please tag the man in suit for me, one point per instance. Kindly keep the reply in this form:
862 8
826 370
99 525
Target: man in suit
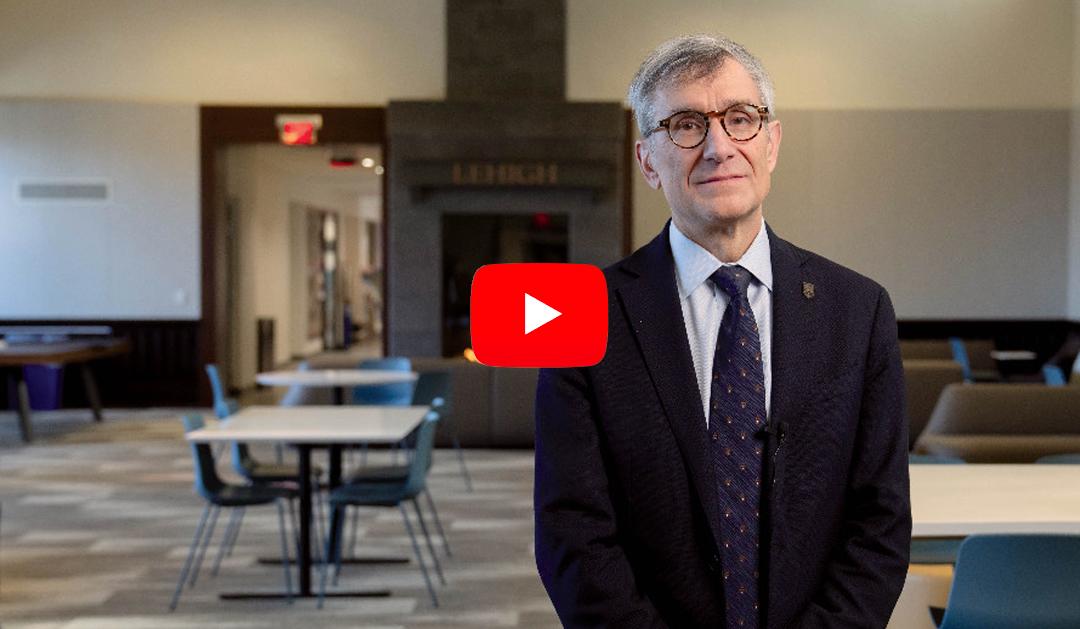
738 458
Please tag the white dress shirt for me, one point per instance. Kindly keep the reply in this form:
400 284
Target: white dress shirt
703 304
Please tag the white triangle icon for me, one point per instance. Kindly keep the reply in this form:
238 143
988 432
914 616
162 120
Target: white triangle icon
537 313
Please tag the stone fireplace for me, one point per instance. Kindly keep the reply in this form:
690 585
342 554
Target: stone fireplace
505 143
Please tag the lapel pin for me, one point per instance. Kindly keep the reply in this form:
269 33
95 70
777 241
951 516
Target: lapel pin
808 290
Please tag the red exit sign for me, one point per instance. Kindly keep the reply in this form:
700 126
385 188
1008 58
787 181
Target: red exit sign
299 130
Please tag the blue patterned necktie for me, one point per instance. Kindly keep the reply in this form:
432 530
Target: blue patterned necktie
736 415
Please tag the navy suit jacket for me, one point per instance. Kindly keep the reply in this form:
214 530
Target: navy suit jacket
627 522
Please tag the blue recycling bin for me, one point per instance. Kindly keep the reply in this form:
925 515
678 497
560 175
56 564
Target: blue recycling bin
45 384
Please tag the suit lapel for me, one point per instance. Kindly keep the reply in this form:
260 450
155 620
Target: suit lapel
793 331
651 303
794 324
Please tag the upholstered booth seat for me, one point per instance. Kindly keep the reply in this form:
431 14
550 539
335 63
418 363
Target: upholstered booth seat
1003 423
975 353
925 349
925 379
492 407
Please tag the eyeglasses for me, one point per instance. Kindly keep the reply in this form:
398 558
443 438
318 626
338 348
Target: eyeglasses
688 129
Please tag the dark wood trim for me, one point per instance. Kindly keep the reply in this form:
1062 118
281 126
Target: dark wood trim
161 368
1042 336
387 324
220 126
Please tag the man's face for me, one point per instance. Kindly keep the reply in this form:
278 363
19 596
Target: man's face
721 182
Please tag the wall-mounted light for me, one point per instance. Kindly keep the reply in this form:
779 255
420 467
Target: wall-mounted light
367 162
329 229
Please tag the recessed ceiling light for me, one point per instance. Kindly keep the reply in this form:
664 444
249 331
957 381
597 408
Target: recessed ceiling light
379 170
367 162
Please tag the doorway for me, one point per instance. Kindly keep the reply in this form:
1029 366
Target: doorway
256 262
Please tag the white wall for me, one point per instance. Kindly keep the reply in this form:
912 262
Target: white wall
845 54
869 175
826 56
960 214
136 257
224 51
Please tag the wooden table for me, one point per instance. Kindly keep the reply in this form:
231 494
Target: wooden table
962 500
307 428
13 357
338 379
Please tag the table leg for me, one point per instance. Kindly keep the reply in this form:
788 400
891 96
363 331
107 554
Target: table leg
335 467
306 492
22 397
304 452
334 481
91 390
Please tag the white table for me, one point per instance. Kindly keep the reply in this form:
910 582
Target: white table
309 427
1013 354
962 500
337 379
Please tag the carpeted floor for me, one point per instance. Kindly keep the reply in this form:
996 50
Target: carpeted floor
96 520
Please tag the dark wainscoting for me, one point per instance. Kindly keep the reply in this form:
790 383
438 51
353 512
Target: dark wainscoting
162 368
1043 337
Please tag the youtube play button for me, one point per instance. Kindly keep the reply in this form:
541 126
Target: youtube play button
539 315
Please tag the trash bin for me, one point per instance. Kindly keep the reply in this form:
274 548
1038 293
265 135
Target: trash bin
265 335
45 384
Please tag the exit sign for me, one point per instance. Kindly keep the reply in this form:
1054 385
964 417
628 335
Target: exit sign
299 130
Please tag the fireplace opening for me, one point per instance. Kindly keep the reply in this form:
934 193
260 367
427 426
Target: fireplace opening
473 240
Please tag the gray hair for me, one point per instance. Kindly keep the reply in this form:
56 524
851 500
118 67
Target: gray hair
685 59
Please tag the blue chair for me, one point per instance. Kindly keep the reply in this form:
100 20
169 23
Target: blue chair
396 393
218 495
223 406
960 355
432 389
243 462
1053 375
389 494
248 467
1016 582
934 550
974 371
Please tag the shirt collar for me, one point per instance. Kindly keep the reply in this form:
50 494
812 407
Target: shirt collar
694 264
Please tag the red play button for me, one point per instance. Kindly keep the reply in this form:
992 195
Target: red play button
539 315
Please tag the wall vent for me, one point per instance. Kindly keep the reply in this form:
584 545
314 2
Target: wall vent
81 191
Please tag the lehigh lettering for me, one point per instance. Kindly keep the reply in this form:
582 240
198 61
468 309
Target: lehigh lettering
504 174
